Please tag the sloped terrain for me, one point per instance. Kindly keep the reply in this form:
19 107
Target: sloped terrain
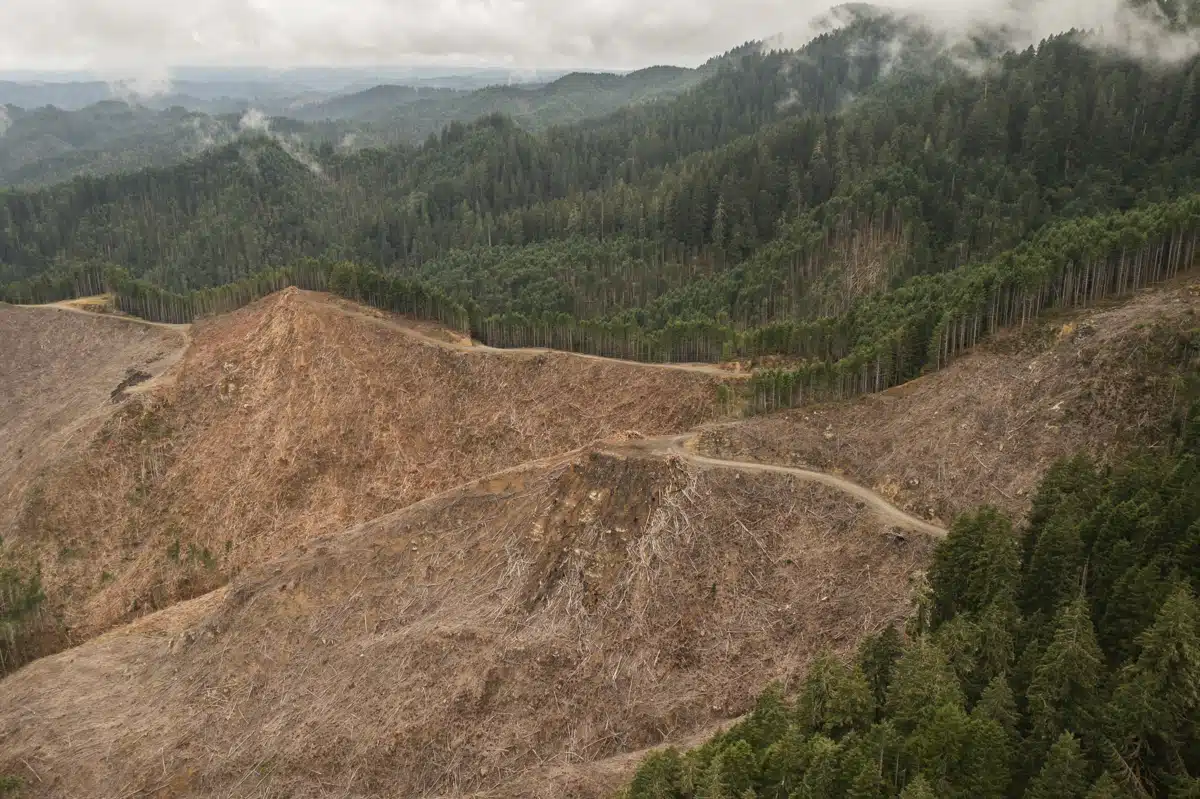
582 595
488 640
985 429
59 372
300 416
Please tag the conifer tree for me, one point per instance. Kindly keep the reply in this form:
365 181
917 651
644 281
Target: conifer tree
1156 706
922 683
877 656
834 699
1063 775
1062 695
918 788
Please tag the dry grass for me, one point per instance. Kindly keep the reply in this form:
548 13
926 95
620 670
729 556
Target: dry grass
297 417
58 371
985 429
516 637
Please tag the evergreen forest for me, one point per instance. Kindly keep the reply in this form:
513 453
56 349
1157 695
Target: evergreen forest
867 207
844 217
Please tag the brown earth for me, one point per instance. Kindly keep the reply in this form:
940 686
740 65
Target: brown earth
296 417
523 636
534 631
985 429
58 373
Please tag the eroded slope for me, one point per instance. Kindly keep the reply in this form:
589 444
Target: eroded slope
299 416
488 640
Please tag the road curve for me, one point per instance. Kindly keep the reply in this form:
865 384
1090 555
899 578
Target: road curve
399 326
65 305
681 447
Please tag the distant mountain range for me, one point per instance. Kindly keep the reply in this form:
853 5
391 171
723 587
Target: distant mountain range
51 131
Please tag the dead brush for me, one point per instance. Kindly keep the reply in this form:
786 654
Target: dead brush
299 416
414 654
668 531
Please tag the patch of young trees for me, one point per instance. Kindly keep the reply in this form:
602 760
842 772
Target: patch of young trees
21 613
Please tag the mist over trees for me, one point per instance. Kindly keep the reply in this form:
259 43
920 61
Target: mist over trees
866 208
866 204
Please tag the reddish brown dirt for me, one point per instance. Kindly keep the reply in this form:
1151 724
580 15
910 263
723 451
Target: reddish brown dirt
297 417
985 429
487 641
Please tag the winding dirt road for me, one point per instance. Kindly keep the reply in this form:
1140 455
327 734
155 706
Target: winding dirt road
683 447
66 305
467 345
680 446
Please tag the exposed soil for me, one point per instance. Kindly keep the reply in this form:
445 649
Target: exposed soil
431 333
488 640
683 448
596 579
300 416
133 377
985 429
58 372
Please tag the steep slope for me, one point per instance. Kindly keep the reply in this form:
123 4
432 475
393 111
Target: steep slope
985 429
59 372
530 632
297 417
490 639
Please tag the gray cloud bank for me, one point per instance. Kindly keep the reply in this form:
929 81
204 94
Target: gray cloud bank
140 38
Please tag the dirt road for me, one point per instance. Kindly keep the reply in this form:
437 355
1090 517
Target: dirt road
682 447
414 331
66 305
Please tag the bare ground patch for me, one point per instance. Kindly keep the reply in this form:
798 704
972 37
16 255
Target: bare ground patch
493 640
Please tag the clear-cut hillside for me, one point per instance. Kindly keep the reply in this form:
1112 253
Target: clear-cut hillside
509 638
295 417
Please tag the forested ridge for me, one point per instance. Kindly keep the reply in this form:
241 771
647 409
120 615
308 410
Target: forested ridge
40 146
870 208
866 208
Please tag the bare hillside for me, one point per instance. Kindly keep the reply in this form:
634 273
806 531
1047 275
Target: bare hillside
297 417
986 428
515 637
59 372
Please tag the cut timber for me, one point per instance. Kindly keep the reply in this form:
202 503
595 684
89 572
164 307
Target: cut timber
58 371
296 417
984 429
494 639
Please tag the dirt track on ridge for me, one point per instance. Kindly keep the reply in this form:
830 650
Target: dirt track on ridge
517 352
66 305
677 446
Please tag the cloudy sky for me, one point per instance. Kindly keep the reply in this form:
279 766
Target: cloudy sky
141 35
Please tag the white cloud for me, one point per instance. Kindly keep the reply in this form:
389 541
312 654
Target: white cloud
255 121
136 35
